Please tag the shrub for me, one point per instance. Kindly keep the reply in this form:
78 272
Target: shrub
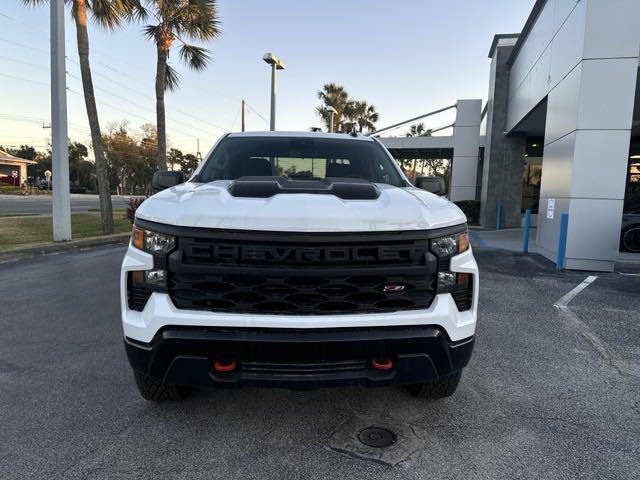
134 203
471 209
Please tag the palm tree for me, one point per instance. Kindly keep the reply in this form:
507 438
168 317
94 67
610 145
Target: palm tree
333 95
418 130
109 14
363 116
178 21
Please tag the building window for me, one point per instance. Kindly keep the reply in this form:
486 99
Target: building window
532 174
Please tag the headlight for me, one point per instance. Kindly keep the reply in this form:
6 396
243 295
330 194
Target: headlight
152 242
450 245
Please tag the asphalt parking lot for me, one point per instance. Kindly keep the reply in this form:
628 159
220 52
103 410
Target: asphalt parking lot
550 392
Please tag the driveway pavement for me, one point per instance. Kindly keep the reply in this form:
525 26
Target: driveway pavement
41 204
550 393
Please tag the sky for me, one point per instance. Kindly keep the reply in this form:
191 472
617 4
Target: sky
406 57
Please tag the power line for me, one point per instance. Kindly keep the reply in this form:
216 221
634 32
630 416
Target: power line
14 77
146 120
35 49
256 112
143 108
148 97
193 87
24 63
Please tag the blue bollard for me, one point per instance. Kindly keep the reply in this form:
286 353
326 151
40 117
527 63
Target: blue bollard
562 241
498 215
527 226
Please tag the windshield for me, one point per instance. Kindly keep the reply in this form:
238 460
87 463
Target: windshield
300 159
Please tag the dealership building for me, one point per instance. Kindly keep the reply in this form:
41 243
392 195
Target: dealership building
560 132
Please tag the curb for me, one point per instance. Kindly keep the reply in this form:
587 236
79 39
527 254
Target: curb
48 249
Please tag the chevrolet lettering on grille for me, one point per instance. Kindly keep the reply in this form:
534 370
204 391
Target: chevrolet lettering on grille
281 254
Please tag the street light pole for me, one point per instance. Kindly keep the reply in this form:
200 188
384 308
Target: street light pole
59 147
276 64
272 123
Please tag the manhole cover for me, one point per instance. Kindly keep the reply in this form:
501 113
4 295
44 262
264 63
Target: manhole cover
377 437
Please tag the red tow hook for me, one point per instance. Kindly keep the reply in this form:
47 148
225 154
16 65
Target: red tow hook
224 365
382 363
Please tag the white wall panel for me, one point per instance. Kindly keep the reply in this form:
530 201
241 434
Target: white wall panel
562 107
594 229
568 45
608 36
537 41
561 11
607 92
547 238
600 163
466 141
557 168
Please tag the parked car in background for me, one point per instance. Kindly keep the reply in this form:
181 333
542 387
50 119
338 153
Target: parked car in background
630 237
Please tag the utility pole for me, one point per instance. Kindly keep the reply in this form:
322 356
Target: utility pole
242 115
59 146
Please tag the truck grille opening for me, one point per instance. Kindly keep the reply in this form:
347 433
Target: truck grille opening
463 296
137 295
278 294
314 274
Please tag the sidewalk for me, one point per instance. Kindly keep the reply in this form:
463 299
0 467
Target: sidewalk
505 239
511 239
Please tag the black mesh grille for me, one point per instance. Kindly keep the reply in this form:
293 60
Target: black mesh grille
302 274
299 294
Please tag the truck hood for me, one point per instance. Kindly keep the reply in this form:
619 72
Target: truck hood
210 205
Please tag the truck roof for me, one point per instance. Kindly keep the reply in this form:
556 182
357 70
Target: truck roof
303 134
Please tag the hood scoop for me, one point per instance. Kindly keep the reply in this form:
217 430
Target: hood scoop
265 187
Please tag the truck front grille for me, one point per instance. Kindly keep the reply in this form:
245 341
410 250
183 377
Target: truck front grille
298 274
299 294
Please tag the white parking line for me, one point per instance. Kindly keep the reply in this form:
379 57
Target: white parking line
596 342
564 301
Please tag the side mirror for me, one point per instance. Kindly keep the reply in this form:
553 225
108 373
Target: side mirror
434 185
163 179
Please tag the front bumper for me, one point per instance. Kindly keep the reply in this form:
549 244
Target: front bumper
298 358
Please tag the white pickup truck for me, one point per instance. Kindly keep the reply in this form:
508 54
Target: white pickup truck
298 260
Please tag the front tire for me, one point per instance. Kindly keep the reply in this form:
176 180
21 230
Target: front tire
156 390
443 387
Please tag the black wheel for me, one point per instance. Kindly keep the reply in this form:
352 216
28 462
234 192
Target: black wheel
155 390
441 388
630 239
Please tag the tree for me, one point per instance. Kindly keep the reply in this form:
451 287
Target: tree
188 164
363 116
333 95
80 168
174 158
180 21
418 130
24 151
108 14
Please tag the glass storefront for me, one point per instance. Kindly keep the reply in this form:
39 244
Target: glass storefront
632 194
532 174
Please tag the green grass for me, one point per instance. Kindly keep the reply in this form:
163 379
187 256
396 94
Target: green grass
22 232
